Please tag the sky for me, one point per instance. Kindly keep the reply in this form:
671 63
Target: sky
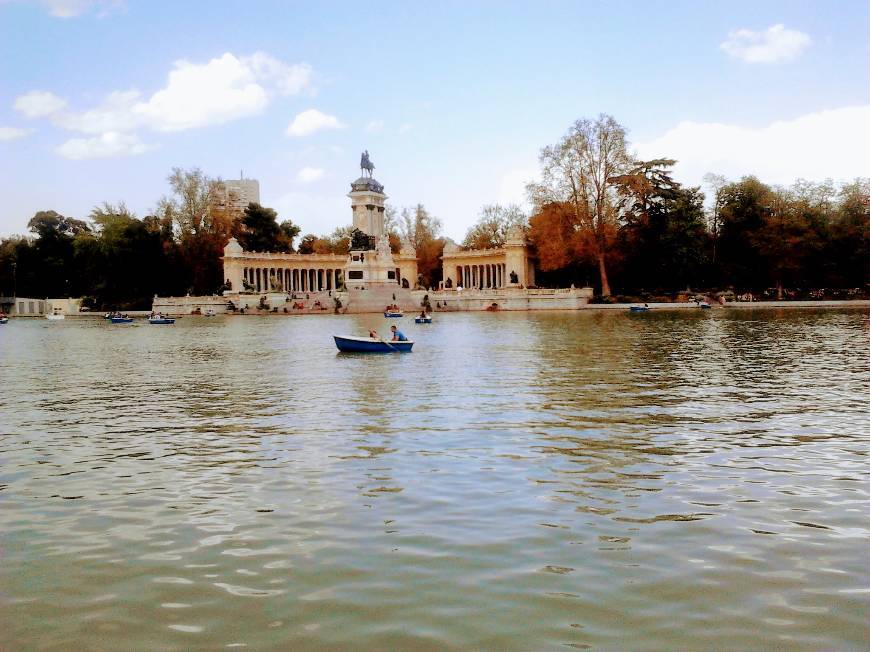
100 99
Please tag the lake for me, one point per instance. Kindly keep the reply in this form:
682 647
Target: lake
520 481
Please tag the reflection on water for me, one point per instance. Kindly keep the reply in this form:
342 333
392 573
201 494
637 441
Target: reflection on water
660 480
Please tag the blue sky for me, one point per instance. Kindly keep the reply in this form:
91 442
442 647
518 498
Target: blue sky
100 99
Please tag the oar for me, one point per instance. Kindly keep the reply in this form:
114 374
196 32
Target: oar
389 345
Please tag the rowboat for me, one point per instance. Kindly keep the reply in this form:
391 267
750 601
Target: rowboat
351 344
422 320
393 314
161 320
121 320
703 304
639 309
4 320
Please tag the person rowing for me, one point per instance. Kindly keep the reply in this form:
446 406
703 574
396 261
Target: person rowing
398 336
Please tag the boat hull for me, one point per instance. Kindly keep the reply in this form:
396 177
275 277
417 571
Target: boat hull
4 320
422 320
350 344
639 309
122 320
55 317
393 315
161 321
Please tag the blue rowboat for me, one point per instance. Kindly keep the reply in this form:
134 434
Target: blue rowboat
351 344
422 320
704 305
121 320
395 315
161 320
639 309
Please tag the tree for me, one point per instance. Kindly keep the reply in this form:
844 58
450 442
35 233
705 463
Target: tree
261 232
716 182
850 234
551 230
663 235
746 205
492 226
422 231
306 244
391 228
578 171
192 197
288 233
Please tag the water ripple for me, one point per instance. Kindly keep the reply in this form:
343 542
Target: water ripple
583 480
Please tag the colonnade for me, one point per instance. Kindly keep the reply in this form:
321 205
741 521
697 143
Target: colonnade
264 279
481 276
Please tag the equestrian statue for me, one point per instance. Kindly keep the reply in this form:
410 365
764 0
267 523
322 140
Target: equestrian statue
365 164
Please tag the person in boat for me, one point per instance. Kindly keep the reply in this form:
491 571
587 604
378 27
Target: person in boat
398 336
373 334
422 314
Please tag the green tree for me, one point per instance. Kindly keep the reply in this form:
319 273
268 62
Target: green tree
663 235
492 226
261 231
746 206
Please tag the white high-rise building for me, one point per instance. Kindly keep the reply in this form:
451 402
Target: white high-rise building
236 194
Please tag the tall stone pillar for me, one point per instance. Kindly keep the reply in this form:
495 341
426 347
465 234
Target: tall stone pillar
517 258
234 264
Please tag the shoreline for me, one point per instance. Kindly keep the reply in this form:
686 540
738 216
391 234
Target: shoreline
833 303
603 307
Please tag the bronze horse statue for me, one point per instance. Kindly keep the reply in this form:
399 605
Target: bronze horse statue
365 163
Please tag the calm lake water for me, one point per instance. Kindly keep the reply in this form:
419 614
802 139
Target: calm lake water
518 482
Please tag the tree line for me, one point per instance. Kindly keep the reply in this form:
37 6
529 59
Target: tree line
114 259
599 216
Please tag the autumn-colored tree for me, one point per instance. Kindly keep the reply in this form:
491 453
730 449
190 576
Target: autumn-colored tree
552 232
422 231
579 172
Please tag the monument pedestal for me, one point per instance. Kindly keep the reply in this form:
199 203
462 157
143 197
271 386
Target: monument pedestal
376 297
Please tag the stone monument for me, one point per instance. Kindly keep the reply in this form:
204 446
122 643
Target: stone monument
372 274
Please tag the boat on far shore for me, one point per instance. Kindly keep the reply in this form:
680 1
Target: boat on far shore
353 344
160 320
4 320
643 308
55 315
121 320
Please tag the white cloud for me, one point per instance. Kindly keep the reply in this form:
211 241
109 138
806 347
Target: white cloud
774 45
405 128
307 122
309 175
38 104
107 145
72 8
12 133
826 144
288 79
374 126
196 95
